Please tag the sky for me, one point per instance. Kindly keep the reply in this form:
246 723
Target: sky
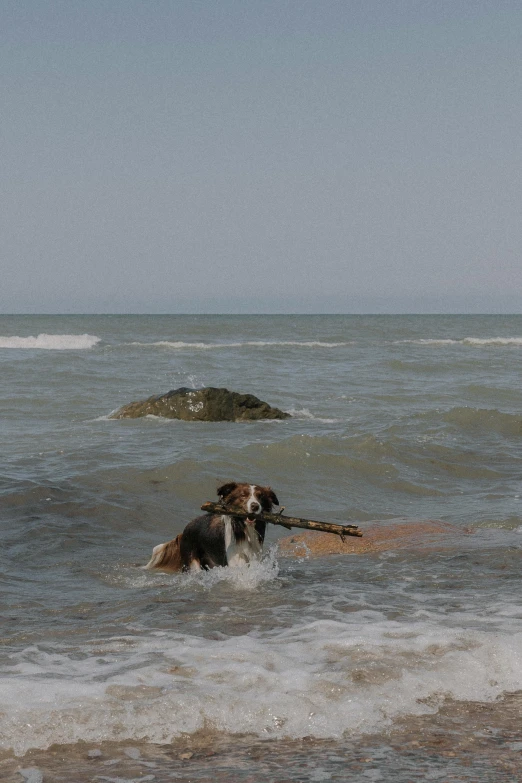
261 156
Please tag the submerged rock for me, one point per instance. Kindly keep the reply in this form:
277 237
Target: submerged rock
209 404
31 775
424 535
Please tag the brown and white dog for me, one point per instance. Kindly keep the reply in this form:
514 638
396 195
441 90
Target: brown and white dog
219 540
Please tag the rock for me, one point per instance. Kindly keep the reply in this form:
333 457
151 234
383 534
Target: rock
132 753
425 535
208 404
31 775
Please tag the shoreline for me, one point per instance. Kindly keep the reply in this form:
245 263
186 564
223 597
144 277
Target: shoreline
469 741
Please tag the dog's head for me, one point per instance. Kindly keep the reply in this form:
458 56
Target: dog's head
249 497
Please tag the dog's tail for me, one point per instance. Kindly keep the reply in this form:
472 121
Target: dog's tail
166 557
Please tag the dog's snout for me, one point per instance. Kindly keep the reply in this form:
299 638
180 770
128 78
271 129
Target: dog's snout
255 507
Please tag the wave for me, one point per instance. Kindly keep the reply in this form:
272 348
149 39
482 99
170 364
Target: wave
51 342
181 345
479 341
484 419
492 341
315 679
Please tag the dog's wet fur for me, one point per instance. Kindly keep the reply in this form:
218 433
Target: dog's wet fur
219 540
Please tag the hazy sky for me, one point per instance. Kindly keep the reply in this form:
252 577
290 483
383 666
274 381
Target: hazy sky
261 155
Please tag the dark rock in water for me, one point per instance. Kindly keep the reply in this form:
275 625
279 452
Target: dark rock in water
209 404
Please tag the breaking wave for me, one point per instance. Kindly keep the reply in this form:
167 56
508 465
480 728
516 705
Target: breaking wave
317 679
51 342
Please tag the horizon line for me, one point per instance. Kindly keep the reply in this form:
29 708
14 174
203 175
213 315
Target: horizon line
263 314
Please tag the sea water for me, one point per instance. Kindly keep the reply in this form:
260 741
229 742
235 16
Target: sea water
396 665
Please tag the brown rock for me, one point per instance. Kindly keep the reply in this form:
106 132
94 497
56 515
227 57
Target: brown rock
208 404
378 537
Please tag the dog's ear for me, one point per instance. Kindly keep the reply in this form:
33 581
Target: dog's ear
271 495
226 489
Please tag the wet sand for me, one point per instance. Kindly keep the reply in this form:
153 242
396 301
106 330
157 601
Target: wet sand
463 741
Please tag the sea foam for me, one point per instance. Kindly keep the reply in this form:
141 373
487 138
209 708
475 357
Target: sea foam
318 679
51 342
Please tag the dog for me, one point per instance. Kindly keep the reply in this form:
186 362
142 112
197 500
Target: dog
219 540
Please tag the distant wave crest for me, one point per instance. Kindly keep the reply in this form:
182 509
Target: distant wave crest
182 345
492 341
51 342
467 341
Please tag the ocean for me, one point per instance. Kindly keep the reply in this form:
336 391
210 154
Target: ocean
398 665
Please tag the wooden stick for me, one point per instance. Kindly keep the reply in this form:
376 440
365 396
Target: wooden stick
288 522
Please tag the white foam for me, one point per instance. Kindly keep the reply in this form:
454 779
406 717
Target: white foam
51 342
181 345
319 679
301 413
492 341
422 341
243 578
